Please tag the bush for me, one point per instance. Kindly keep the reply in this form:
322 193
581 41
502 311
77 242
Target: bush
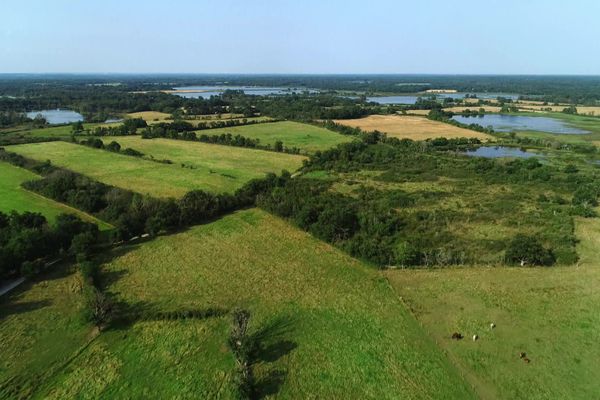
527 250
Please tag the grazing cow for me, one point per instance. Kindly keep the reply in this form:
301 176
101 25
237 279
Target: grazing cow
522 354
492 325
527 360
475 337
457 336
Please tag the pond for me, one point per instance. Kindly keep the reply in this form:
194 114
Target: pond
58 116
206 92
412 99
501 152
510 123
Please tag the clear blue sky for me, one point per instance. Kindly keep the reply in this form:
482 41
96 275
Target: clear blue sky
303 36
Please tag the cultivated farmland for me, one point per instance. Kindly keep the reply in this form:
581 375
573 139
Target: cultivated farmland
411 127
14 198
205 166
306 137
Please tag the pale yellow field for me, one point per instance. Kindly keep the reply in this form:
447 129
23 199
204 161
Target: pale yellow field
417 112
411 127
150 115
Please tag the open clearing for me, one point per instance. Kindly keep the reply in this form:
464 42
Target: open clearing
306 137
411 127
549 313
155 117
14 197
324 317
209 167
149 116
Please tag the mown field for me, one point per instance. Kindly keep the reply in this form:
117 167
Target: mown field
205 166
411 127
60 132
306 137
14 198
551 314
155 117
328 325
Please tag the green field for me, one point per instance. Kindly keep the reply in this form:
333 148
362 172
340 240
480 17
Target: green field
306 137
14 197
549 313
209 167
331 326
62 131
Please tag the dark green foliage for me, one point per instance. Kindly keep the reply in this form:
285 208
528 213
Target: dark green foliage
393 227
586 196
527 250
27 242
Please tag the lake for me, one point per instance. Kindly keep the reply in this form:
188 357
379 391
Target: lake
510 123
500 152
206 92
55 117
412 99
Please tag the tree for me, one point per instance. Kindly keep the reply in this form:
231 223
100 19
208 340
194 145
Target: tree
113 146
82 244
278 145
527 250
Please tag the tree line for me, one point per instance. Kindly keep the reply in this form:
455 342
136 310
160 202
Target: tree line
131 213
28 241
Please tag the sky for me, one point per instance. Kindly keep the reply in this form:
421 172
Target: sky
303 36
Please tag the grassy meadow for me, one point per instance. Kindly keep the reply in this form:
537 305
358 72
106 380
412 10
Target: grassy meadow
40 329
306 137
411 127
14 197
206 166
551 314
321 316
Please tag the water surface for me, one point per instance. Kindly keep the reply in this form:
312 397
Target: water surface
206 92
511 123
57 116
500 152
412 99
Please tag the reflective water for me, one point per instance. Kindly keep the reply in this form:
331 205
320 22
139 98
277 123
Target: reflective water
57 116
412 99
510 123
206 92
500 152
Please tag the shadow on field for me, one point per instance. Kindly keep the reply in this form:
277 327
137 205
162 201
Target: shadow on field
127 314
10 308
270 346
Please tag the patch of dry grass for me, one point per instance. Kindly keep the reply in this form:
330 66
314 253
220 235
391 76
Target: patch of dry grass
411 127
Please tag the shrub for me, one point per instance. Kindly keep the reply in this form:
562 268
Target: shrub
527 250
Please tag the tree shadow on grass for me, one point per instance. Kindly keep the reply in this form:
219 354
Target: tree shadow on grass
270 346
12 308
127 314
